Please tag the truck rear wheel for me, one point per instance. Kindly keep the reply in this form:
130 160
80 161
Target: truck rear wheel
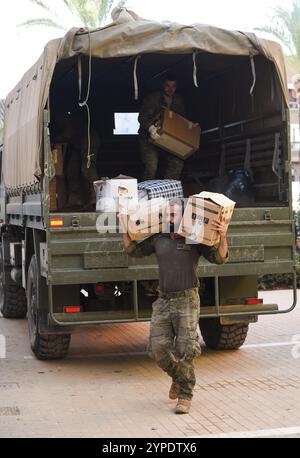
12 296
223 337
44 346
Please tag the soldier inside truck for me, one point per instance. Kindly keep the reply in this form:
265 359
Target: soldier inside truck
241 115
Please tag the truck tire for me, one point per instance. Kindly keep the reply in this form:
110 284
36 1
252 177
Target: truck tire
221 337
13 302
44 346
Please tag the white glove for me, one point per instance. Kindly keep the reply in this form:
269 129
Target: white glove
153 132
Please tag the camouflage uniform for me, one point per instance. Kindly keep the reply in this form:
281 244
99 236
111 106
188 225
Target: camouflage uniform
72 129
150 112
175 317
173 331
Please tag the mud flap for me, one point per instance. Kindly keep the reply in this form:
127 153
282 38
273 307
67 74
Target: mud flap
228 320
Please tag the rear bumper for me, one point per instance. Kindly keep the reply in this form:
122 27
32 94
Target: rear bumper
93 318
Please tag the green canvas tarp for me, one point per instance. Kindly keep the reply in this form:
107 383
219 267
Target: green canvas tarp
127 35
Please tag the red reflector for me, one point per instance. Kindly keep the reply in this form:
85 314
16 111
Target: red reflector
72 309
56 222
253 301
99 288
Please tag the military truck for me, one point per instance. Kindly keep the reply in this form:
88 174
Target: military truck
57 267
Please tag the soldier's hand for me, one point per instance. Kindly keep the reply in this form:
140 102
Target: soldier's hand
221 227
153 132
126 240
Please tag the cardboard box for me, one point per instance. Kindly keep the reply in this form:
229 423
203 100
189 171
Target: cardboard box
58 158
200 211
112 193
52 195
178 135
146 220
57 192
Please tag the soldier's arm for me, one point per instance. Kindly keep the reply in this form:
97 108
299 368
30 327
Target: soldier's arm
138 250
213 253
217 254
149 111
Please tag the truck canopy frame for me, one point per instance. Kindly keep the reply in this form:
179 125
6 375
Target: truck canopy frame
131 39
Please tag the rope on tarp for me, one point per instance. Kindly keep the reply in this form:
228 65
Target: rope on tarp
84 103
135 79
195 79
253 74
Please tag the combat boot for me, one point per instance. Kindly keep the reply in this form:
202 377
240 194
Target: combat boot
183 406
174 390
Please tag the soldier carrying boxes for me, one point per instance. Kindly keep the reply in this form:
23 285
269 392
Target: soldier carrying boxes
176 312
163 127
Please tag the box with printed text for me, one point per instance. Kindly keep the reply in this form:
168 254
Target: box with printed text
201 209
147 220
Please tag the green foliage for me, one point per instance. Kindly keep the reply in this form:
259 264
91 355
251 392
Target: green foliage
285 25
90 12
280 281
296 214
42 21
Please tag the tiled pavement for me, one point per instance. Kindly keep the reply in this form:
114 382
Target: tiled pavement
108 387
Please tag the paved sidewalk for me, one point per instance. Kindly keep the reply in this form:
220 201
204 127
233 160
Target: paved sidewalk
108 387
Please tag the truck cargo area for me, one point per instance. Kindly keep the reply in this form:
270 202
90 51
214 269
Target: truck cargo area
239 107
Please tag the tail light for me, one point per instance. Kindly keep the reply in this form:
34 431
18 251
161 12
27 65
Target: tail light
253 301
56 222
72 309
99 289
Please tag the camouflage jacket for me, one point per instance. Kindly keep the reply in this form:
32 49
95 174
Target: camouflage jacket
152 108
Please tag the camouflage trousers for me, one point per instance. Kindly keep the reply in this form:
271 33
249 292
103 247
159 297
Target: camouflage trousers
150 156
173 337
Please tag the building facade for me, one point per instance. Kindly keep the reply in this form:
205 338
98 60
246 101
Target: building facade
295 131
2 106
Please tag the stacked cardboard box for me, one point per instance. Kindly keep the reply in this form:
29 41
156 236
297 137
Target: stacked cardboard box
57 192
58 152
112 193
57 189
